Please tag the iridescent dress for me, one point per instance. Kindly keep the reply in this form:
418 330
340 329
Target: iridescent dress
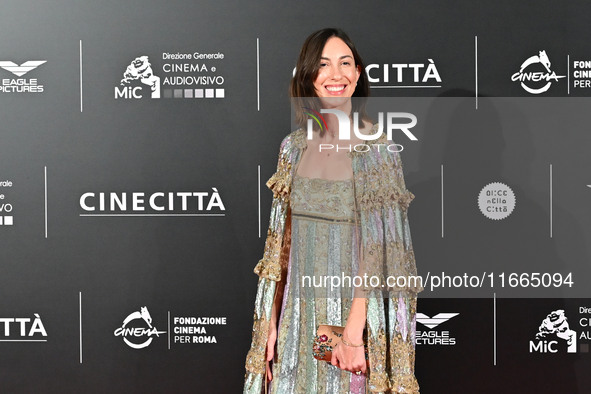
323 235
312 231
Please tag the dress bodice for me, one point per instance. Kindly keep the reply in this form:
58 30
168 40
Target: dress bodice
324 199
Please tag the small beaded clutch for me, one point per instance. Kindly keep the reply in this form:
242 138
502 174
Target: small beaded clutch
327 337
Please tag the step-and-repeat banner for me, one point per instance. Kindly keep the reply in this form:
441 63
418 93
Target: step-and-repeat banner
136 138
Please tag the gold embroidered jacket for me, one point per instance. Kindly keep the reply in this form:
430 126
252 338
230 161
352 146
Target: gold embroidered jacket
382 200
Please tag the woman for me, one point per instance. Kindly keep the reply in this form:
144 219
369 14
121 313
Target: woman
336 213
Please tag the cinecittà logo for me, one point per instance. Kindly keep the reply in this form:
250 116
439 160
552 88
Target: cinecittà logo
555 325
137 330
21 85
152 204
536 76
22 329
404 75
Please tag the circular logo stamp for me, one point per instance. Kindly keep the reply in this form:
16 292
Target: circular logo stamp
496 201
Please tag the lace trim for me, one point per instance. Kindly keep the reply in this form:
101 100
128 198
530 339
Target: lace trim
280 181
255 360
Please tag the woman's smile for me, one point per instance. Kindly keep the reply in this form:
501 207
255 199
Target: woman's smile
336 90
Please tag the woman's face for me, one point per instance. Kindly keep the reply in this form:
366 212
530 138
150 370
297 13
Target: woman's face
338 75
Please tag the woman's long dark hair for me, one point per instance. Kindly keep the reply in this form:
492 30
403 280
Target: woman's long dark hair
301 88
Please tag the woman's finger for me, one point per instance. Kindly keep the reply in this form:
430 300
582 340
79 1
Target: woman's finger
270 351
269 373
363 368
333 360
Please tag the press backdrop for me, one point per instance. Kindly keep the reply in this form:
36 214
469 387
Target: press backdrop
136 137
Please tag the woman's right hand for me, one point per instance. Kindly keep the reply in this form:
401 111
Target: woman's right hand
271 339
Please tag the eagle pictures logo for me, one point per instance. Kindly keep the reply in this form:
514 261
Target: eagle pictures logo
20 85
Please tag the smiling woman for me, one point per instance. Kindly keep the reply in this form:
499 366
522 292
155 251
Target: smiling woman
329 66
334 214
337 76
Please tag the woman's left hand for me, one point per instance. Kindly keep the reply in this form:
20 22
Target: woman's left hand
349 358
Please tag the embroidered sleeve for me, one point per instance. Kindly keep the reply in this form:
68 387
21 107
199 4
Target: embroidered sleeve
272 265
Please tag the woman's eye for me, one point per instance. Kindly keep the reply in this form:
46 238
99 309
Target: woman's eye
346 63
323 64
